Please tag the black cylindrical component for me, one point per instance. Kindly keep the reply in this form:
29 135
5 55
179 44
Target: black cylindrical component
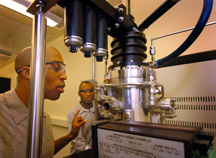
129 49
102 32
73 24
99 58
101 38
89 37
87 54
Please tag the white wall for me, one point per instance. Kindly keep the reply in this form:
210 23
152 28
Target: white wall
59 131
183 15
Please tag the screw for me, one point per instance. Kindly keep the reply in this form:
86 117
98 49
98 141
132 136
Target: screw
40 4
116 25
120 10
116 7
121 18
135 29
108 29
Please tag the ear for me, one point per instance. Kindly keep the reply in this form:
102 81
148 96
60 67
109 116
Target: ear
26 72
79 93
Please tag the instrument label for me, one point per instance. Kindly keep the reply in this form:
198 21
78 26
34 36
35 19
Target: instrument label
112 144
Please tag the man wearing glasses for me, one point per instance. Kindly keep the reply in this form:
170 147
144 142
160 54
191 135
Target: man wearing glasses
14 107
84 139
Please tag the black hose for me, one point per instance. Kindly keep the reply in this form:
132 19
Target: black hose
207 7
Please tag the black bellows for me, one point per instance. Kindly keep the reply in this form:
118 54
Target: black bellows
129 49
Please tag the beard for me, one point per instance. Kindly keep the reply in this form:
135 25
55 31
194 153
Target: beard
52 95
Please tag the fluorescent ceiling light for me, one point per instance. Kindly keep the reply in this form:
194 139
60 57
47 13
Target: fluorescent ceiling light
21 7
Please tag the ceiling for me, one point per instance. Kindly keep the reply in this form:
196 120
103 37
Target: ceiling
16 30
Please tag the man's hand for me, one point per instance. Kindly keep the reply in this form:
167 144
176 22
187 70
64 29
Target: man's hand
76 124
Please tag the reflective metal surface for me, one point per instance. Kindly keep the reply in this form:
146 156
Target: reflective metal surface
139 95
36 96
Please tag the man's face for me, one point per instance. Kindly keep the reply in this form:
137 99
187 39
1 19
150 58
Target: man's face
54 75
86 93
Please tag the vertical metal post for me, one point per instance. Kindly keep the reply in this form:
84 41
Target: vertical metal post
36 94
93 67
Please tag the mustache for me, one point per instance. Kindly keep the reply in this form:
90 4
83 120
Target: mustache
89 97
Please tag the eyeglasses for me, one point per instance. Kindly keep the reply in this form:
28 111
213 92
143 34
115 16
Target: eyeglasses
56 66
87 90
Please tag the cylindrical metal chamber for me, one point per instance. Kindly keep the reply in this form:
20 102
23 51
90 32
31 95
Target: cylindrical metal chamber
128 85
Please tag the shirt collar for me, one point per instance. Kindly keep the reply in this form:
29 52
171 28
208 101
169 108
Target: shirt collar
17 108
82 109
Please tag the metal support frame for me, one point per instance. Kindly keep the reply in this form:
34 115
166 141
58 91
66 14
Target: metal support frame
36 92
114 16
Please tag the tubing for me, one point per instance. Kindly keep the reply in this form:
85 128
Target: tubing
207 7
168 4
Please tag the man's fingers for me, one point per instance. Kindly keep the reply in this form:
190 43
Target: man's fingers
80 119
76 115
82 123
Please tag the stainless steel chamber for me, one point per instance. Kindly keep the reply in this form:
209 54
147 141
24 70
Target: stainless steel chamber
132 93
